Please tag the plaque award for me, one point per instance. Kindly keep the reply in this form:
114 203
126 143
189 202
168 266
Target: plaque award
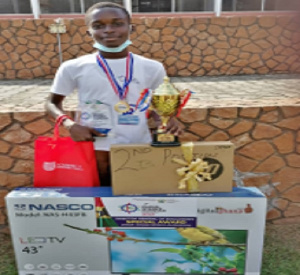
95 114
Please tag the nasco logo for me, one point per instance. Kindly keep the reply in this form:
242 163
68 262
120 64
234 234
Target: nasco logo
59 207
221 210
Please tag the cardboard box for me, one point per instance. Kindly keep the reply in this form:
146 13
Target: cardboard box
64 231
143 169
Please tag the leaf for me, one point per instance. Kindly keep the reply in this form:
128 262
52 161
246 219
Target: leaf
240 262
174 269
190 255
170 250
235 236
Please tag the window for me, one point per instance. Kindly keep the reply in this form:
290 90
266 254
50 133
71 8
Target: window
194 5
279 5
172 5
153 5
15 6
260 5
68 6
241 5
146 6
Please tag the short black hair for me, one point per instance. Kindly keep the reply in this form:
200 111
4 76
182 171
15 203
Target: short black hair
101 5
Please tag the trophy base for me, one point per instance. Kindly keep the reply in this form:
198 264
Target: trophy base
164 140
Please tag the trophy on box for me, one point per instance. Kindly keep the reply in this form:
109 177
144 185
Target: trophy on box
166 102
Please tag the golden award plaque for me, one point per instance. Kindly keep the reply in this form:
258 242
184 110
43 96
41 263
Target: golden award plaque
166 100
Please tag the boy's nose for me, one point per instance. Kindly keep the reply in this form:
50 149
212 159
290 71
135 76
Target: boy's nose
108 28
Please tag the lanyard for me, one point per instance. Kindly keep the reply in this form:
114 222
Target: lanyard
121 92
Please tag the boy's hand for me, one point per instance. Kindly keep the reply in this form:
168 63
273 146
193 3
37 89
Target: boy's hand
82 133
173 127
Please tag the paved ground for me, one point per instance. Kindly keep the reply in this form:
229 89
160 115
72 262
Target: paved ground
223 91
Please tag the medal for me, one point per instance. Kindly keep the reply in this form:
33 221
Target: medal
122 106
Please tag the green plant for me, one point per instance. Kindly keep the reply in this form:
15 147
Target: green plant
212 262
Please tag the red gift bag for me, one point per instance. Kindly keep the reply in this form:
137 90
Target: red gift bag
63 162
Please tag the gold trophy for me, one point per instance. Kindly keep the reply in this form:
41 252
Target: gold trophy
166 100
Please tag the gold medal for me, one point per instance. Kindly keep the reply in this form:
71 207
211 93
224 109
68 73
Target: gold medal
122 107
121 91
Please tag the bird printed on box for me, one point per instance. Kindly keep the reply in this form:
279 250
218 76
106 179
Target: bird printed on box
201 235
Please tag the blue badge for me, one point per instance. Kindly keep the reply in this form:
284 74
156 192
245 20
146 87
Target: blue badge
128 120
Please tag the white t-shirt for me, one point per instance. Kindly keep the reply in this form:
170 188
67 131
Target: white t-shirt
85 75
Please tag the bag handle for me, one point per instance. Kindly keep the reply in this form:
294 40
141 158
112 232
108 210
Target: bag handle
59 120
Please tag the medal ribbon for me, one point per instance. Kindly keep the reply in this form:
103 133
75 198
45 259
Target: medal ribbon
121 92
143 102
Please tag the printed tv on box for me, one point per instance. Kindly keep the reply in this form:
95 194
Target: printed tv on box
161 251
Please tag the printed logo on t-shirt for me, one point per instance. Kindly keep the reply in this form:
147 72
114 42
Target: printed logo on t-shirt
121 79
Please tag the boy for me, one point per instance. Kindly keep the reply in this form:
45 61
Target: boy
112 76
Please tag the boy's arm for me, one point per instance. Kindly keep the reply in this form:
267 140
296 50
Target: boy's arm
173 126
54 109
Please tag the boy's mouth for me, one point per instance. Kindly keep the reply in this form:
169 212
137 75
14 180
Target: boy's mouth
110 38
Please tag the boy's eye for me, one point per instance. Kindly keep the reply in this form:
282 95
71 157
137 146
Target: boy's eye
98 26
118 24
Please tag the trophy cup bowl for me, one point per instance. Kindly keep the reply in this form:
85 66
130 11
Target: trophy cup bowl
165 102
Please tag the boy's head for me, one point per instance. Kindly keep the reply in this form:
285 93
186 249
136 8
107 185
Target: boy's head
102 5
108 24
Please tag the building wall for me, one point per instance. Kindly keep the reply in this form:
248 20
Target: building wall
266 139
187 45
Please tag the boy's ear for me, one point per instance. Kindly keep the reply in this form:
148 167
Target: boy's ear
89 33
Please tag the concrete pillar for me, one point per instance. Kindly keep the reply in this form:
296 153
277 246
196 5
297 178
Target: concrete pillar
218 7
128 5
35 7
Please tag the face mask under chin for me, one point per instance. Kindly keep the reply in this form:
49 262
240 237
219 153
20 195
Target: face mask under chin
118 49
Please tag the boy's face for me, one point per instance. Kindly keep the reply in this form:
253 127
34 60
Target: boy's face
109 26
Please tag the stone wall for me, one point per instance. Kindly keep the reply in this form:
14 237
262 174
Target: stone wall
187 45
267 154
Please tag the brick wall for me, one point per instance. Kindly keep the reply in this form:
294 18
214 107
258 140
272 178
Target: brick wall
267 154
187 45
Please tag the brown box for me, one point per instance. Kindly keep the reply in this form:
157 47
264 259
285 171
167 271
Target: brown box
143 169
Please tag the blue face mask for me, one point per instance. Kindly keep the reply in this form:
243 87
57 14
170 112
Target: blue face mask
122 47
